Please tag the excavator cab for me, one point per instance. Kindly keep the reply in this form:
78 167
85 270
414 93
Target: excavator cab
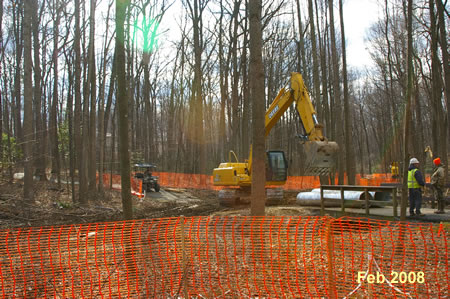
276 166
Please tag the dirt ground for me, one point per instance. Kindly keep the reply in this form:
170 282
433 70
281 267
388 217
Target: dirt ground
54 206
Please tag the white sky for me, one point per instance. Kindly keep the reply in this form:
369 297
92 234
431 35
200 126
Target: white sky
359 15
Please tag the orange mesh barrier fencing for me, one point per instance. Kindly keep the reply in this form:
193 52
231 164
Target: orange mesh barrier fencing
301 182
184 180
202 181
229 257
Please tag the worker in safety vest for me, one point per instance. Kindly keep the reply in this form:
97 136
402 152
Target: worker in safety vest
438 183
415 182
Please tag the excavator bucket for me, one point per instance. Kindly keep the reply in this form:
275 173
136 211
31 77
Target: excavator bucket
319 157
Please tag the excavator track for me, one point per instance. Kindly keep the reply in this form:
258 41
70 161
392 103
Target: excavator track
233 197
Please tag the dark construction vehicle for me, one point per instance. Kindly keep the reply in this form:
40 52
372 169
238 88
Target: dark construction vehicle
143 172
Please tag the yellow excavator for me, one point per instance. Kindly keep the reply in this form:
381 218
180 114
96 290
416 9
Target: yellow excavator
318 150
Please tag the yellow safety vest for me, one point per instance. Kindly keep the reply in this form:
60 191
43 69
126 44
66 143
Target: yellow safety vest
412 182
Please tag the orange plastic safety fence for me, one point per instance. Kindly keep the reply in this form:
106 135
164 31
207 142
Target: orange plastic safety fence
201 181
301 257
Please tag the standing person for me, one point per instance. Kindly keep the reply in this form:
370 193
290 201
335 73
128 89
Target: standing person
415 182
438 183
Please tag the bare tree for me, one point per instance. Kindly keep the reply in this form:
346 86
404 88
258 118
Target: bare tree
199 154
1 90
245 126
18 35
92 78
40 133
336 93
323 67
121 7
315 62
444 49
258 110
301 56
28 103
56 168
446 74
409 93
315 59
77 113
235 120
348 115
223 83
101 107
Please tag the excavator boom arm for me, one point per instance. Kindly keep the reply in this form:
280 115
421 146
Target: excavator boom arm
318 151
298 93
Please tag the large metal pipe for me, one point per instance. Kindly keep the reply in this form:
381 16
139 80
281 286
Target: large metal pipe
333 194
312 198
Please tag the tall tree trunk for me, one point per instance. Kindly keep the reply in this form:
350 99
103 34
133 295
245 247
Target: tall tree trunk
395 146
407 118
113 145
419 138
199 155
127 204
323 68
445 125
435 84
360 140
1 90
258 170
245 95
315 60
40 160
101 139
84 170
337 95
77 114
56 168
171 116
348 115
18 35
366 134
28 103
223 87
446 70
93 98
235 83
70 121
301 45
147 109
112 82
200 151
101 111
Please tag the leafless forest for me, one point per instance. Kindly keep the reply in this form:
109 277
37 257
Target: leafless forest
185 72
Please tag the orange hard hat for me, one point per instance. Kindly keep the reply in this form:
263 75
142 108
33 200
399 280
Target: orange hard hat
437 161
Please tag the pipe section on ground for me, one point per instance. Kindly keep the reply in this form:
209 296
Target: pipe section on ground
312 198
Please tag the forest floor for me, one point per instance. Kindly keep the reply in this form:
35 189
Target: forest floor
54 206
